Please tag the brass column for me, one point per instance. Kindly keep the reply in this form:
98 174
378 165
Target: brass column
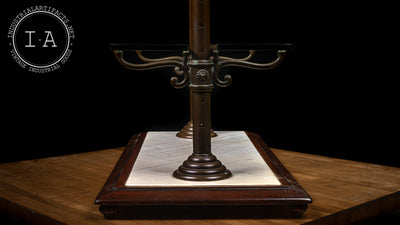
201 165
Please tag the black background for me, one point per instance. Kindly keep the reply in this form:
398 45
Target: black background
334 95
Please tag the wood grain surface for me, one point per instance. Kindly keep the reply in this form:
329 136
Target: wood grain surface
62 190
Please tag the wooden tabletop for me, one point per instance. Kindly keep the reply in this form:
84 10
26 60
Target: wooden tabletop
63 189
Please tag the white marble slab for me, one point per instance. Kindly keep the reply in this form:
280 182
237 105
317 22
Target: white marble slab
162 153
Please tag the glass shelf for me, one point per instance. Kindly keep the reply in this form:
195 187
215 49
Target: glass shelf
183 47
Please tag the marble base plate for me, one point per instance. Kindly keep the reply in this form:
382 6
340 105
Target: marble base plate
142 181
164 152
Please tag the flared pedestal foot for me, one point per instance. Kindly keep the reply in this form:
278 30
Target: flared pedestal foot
202 167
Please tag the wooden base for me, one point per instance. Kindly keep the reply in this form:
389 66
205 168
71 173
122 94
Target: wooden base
203 211
118 201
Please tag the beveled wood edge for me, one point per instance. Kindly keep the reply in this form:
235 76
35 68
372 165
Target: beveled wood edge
134 150
276 166
268 157
115 192
135 143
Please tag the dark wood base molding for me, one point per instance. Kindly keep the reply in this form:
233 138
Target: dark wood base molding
118 201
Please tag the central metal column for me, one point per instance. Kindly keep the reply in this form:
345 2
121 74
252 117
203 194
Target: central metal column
201 165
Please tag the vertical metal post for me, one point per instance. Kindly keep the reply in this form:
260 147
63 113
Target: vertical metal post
199 45
199 28
201 165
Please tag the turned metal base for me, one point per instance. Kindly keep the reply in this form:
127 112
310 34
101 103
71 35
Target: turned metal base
202 167
187 131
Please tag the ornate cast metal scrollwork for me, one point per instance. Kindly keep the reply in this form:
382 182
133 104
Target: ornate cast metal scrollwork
258 66
227 78
221 61
180 64
144 59
182 68
247 58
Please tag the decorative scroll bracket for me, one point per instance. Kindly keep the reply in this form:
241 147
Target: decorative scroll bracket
180 64
181 67
221 61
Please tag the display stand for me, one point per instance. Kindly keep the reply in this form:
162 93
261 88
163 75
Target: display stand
277 196
239 178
